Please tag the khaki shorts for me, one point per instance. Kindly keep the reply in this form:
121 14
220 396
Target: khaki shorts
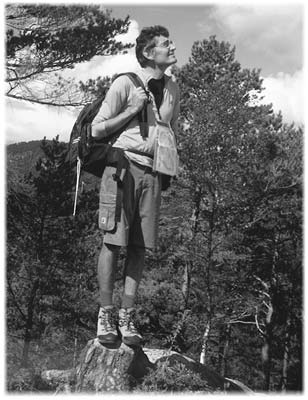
140 208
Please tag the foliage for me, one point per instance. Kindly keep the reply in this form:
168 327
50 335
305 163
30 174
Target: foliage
44 39
45 254
244 170
25 380
174 378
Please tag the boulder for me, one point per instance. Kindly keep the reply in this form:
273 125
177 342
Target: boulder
118 368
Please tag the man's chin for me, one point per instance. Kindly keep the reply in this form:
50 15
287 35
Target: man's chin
173 60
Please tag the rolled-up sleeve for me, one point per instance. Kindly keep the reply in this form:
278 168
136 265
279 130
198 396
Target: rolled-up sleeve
115 100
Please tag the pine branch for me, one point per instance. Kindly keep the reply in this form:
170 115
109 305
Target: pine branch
48 103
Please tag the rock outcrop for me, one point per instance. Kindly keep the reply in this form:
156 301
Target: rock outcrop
118 368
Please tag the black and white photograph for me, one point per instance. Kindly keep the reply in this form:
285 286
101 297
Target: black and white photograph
153 219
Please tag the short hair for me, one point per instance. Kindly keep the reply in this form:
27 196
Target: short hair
145 39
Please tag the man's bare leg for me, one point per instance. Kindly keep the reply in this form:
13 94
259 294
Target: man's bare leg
106 269
106 324
133 273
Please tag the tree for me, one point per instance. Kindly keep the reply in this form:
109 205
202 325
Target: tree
274 239
238 160
50 268
216 116
43 40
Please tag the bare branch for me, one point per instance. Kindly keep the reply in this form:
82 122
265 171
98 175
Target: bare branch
24 77
268 306
264 284
48 103
257 323
241 322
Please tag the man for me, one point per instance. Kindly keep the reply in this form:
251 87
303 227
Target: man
137 229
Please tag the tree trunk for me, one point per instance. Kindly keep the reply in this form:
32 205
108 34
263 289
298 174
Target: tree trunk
204 343
285 362
267 349
196 211
29 326
224 349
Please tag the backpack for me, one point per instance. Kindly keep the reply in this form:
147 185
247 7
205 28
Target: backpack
93 155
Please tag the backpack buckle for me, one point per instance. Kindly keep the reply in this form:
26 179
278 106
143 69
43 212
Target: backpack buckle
117 179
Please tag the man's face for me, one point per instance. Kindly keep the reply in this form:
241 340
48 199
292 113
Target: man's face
164 51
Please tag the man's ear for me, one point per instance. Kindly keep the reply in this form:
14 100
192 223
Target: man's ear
148 53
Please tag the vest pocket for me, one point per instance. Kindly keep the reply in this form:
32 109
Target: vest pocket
107 206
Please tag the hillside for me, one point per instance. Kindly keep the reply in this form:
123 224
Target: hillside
22 147
21 157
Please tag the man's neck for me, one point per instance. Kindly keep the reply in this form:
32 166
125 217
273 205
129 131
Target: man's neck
156 72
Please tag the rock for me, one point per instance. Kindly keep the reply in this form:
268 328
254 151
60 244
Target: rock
155 354
61 381
216 381
118 368
103 369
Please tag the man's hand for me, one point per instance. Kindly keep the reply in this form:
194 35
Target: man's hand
108 127
139 98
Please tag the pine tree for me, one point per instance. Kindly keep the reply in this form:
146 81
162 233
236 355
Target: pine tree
43 40
239 162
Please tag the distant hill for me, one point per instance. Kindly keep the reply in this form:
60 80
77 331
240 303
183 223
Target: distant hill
21 147
22 157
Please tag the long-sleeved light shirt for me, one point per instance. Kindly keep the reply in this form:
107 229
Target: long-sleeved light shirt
118 98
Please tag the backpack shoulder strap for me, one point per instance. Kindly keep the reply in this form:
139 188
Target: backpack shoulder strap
134 78
142 115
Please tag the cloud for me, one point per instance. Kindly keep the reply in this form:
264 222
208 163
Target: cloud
271 36
108 65
267 35
105 66
131 35
26 121
286 93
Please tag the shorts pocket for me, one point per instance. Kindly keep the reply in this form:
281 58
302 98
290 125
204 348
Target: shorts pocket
107 206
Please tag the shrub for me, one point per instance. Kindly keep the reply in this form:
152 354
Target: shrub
175 378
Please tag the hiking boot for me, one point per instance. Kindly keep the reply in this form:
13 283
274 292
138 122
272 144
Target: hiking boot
130 335
106 326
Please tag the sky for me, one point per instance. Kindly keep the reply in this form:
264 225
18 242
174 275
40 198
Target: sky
267 36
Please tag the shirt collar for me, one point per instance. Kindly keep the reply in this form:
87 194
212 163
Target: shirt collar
146 75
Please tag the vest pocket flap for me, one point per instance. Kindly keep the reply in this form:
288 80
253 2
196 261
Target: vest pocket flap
108 198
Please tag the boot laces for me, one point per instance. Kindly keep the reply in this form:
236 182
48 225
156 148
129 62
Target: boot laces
107 319
128 320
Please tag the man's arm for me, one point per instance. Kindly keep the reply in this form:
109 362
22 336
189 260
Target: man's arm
114 113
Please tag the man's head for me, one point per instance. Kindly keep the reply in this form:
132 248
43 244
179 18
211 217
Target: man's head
153 46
